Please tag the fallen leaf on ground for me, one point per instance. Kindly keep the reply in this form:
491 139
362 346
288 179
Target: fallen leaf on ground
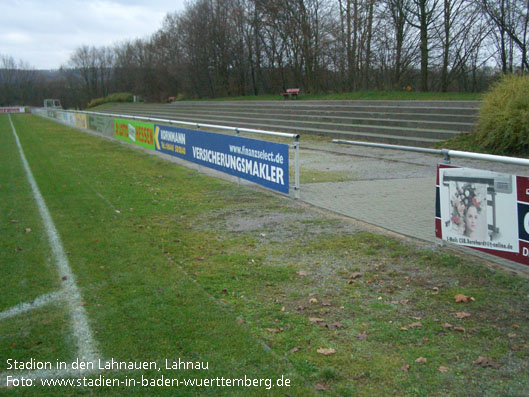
461 315
316 319
313 300
28 230
447 325
362 336
413 325
335 325
511 335
326 352
240 320
460 298
405 368
486 362
302 273
443 369
421 360
355 275
459 329
295 349
274 330
326 303
319 386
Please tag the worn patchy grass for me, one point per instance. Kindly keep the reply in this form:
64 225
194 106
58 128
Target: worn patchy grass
255 284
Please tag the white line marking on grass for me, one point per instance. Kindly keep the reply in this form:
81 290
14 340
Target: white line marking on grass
95 191
81 329
42 300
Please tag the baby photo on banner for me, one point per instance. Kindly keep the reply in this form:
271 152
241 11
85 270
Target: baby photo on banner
468 202
478 209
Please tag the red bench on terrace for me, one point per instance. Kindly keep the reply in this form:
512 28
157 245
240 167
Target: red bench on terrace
290 92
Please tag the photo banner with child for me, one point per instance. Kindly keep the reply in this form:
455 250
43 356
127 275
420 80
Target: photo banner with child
484 210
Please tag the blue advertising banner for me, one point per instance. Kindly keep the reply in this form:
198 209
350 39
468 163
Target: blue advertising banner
265 163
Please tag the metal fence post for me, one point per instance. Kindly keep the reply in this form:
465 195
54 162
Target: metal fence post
446 154
296 167
238 133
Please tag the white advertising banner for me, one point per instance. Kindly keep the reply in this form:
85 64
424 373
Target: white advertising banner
483 210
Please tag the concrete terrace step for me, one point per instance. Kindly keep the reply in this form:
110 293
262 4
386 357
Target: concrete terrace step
456 108
448 122
369 133
455 111
336 121
416 123
309 126
339 103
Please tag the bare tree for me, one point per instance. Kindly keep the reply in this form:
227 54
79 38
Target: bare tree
511 18
422 14
239 47
460 36
397 10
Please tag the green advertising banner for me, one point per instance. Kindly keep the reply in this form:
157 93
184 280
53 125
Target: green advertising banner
101 124
141 134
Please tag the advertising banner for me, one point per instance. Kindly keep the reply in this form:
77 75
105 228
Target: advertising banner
13 110
65 117
80 120
101 124
484 210
139 133
265 163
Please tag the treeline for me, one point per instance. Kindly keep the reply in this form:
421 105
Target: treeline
220 48
20 84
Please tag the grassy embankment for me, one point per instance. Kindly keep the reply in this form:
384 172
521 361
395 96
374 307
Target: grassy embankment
202 269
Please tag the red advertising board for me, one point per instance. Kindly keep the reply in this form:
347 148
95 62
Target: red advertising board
12 110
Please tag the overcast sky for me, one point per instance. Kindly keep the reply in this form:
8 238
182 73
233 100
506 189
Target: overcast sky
45 33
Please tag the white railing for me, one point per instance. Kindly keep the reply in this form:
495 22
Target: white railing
446 153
